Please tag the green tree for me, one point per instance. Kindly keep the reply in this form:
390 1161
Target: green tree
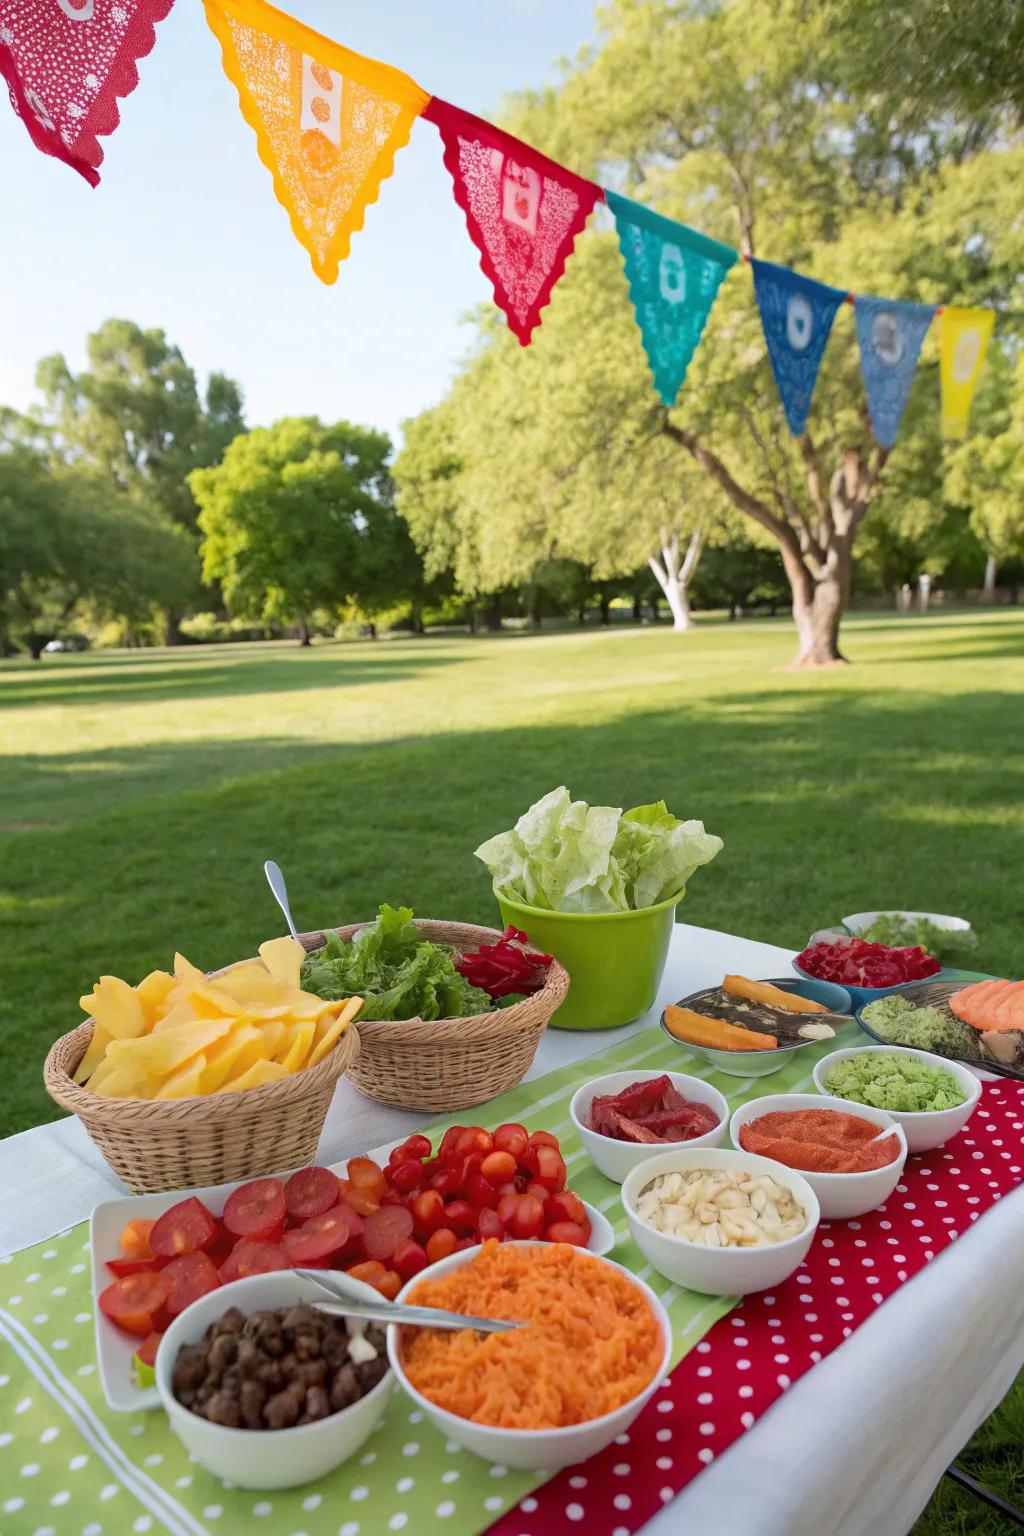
733 117
297 517
986 473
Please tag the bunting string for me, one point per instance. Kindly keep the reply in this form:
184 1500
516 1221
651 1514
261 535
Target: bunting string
329 123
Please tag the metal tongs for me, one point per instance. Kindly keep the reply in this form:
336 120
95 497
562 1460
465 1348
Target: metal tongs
349 1301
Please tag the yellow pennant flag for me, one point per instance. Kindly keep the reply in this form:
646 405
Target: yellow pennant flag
328 122
963 341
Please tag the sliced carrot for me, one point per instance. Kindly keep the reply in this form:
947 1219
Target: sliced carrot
714 1034
764 992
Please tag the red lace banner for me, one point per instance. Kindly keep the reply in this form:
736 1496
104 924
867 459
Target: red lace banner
66 62
746 1361
523 211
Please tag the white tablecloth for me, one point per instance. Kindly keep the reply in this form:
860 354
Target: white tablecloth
854 1447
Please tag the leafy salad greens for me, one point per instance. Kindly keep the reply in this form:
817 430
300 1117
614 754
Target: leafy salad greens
567 856
396 971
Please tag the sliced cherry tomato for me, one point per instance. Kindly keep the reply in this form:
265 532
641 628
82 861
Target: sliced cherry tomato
251 1257
405 1177
135 1301
507 1207
566 1232
414 1148
135 1238
256 1209
511 1188
480 1192
363 1201
392 1197
547 1167
146 1351
440 1244
371 1272
186 1227
318 1238
385 1229
489 1224
499 1167
427 1212
364 1173
475 1139
540 1191
544 1139
446 1182
448 1142
459 1215
121 1267
310 1192
189 1277
565 1206
513 1138
409 1258
527 1218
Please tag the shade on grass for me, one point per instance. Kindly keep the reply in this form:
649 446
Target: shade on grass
140 793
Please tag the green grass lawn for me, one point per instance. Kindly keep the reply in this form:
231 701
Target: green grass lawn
140 793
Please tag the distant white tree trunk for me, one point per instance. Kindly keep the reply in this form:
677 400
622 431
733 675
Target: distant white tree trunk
989 588
674 575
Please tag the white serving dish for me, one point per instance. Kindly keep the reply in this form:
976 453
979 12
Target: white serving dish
616 1158
856 922
263 1458
719 1271
925 1129
116 1349
536 1450
840 1195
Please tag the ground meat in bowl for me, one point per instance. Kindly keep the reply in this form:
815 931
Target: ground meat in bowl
279 1368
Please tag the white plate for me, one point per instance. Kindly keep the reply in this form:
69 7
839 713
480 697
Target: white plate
115 1349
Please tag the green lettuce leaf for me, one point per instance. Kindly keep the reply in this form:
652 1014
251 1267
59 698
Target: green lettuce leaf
566 856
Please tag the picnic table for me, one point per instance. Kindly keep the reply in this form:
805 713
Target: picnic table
855 1445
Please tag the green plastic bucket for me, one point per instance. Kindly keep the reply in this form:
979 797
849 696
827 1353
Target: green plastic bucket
615 959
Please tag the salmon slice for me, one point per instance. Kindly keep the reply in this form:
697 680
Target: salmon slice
967 1004
986 1007
1008 1009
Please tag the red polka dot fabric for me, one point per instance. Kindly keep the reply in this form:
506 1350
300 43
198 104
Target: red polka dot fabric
66 62
749 1358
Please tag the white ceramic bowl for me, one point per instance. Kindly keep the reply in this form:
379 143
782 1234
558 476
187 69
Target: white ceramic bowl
263 1458
856 922
719 1271
924 1129
537 1450
616 1158
840 1195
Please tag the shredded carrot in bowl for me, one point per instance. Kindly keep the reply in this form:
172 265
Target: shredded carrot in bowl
593 1342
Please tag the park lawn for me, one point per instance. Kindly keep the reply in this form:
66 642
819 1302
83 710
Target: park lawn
140 793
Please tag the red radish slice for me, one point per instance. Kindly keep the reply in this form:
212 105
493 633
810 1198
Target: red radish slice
385 1229
256 1209
320 1237
310 1192
184 1228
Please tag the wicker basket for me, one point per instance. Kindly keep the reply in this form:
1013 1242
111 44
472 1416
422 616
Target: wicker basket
180 1143
449 1064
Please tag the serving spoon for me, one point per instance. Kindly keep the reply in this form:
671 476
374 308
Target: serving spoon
279 891
346 1302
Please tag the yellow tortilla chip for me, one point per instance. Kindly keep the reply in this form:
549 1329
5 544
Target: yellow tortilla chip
94 1053
162 1054
259 1073
184 970
293 1054
115 1005
126 1083
225 1057
329 1028
153 991
283 959
252 983
186 1083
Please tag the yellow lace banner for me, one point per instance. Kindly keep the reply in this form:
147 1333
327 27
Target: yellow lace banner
328 122
963 340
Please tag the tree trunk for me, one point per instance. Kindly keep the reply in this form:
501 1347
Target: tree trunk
471 619
173 636
606 608
536 610
988 591
674 575
581 614
817 611
492 614
416 620
302 630
638 608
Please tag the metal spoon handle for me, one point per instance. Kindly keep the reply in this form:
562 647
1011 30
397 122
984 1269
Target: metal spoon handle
416 1317
279 890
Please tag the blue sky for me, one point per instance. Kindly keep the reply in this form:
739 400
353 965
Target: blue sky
184 231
